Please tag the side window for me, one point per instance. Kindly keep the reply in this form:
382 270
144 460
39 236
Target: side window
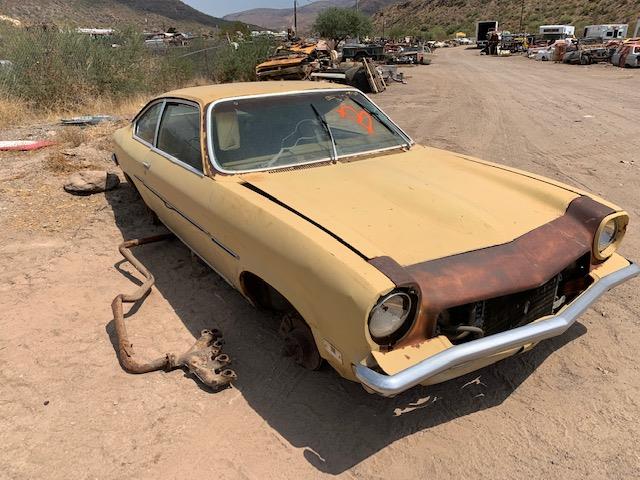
179 134
146 124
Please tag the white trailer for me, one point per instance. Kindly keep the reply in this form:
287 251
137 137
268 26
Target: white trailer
557 32
612 31
483 28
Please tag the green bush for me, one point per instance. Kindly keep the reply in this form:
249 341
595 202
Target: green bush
62 70
231 64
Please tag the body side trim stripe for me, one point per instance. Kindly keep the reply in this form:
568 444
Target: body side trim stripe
188 219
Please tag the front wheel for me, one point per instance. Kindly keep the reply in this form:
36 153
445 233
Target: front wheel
299 343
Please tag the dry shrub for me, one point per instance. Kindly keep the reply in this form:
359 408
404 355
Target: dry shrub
72 136
13 112
57 162
55 73
60 163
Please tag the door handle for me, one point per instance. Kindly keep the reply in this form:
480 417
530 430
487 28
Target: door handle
146 165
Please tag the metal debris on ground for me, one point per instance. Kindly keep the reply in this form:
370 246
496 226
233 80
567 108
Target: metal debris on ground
24 145
88 120
204 359
390 74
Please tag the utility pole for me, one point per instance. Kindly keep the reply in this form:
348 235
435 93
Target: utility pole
357 6
522 16
295 16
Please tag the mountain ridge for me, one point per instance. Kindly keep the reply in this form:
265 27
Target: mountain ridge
451 16
150 14
282 18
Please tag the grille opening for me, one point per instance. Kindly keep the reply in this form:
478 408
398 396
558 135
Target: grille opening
487 317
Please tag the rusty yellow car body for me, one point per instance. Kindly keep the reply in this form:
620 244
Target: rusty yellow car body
335 237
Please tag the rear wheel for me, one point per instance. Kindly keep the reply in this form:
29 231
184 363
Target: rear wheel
585 60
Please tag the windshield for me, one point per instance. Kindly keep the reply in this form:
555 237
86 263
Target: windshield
294 129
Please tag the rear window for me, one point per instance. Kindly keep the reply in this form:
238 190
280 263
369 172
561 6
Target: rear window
147 123
179 134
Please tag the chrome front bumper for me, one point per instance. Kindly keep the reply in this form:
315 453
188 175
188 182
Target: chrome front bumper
389 385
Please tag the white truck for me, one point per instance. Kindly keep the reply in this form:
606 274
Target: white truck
557 32
483 28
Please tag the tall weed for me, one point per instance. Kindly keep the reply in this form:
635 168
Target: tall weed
62 71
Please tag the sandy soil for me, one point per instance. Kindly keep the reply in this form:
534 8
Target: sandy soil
567 409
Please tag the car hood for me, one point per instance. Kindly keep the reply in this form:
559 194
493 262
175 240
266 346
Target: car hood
418 205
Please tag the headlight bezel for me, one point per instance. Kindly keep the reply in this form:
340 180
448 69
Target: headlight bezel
620 221
406 323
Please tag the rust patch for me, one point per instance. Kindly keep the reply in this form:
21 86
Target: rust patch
523 264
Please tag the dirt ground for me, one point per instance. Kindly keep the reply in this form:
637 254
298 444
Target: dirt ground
567 409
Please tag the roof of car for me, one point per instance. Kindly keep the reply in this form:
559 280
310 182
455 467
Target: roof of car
210 93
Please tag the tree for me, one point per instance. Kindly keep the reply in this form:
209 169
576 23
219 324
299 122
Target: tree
339 23
397 32
234 28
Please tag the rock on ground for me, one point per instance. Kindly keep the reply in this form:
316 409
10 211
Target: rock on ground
91 181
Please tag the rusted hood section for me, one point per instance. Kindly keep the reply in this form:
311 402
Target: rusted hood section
419 205
282 62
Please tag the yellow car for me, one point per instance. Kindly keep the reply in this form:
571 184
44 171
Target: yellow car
398 264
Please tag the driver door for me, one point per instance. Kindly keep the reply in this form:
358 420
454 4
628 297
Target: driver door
175 175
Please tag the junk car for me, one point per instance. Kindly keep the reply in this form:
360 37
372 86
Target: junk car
293 61
627 55
588 51
358 52
398 264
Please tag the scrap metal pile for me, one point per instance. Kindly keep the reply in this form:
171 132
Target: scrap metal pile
368 67
601 44
588 51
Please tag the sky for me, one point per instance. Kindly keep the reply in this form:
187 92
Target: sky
220 8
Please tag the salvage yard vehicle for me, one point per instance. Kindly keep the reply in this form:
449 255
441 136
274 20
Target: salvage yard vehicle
408 54
588 51
357 52
293 61
627 55
483 30
398 264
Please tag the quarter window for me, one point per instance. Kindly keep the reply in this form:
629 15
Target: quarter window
179 134
147 123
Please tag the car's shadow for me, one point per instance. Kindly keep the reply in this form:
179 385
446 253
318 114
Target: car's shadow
335 421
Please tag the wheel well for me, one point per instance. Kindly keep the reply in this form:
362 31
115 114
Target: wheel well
264 295
298 337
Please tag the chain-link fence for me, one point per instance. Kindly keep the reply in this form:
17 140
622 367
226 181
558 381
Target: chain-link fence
55 69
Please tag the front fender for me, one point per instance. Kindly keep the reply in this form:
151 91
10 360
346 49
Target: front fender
331 286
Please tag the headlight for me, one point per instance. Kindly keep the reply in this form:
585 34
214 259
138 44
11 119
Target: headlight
389 316
609 235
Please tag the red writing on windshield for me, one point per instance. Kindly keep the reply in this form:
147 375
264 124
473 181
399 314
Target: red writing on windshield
361 117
